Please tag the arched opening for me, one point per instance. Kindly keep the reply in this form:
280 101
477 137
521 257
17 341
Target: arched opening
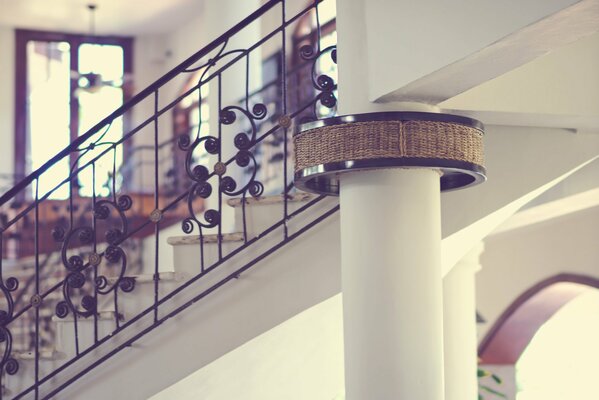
549 335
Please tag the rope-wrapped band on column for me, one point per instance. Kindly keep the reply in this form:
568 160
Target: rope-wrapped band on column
449 143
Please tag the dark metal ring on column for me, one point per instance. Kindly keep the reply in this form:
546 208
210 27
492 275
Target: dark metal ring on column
450 143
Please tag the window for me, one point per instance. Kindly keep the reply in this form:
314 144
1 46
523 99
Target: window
65 84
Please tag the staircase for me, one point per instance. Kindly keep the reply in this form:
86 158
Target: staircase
165 278
96 303
255 293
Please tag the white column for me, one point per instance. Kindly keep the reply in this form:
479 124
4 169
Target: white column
459 325
391 252
391 282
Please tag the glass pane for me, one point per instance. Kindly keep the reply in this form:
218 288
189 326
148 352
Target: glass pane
102 59
48 99
95 103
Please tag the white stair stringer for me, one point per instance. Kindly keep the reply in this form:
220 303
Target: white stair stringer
85 333
49 360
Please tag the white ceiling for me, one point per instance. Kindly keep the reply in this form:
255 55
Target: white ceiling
113 17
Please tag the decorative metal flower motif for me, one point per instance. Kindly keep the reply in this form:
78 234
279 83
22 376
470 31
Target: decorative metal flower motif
77 268
7 363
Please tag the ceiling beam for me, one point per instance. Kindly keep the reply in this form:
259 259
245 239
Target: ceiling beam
458 48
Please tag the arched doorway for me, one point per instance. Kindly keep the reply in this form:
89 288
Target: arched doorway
546 340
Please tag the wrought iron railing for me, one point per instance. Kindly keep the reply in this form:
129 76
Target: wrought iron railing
92 233
51 262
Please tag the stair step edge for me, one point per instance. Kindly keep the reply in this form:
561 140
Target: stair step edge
45 354
266 200
149 278
195 239
107 315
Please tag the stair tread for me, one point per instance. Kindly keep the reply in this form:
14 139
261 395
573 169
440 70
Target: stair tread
265 200
145 278
107 315
23 264
45 354
195 239
44 313
18 264
22 329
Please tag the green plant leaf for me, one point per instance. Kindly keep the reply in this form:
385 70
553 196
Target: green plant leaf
496 379
492 391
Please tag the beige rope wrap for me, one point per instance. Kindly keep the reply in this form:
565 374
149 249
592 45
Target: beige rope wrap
388 139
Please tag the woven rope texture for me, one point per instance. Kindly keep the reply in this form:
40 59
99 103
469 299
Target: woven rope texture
388 139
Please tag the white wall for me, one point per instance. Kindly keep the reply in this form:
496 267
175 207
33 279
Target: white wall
298 360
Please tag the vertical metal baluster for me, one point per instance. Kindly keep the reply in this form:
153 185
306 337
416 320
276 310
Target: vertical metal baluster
114 174
220 156
24 343
114 198
37 289
318 37
284 111
95 251
71 219
245 229
70 206
116 309
202 267
318 33
76 331
156 205
247 107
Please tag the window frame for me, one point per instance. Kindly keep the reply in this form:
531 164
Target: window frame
22 37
